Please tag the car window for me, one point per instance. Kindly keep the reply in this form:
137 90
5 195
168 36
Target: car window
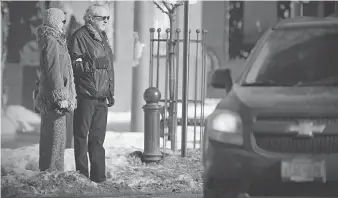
297 57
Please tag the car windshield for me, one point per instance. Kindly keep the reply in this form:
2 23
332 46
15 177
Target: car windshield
296 57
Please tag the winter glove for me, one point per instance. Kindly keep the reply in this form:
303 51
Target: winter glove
110 102
61 108
63 104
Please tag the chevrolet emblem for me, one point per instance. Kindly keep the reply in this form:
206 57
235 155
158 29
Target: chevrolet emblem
307 129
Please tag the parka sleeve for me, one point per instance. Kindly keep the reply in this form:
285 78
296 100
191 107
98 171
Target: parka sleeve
53 70
76 51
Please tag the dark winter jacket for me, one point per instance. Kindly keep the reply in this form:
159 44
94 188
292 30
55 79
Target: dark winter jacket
56 82
92 60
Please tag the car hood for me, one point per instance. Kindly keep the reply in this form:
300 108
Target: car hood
302 100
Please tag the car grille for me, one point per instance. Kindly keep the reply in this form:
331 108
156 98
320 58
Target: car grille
315 119
321 144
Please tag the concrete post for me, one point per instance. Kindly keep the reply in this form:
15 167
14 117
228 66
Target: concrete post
321 9
142 23
296 9
151 110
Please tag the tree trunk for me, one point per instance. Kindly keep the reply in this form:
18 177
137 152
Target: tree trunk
4 29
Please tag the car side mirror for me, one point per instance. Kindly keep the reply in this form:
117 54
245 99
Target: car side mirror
221 78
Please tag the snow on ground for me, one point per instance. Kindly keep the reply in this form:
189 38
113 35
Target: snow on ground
19 167
19 170
17 118
25 160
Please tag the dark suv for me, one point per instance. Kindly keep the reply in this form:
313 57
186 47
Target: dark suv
275 133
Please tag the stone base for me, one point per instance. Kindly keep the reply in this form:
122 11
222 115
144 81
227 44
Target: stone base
151 157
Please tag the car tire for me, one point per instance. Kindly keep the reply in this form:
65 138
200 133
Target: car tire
218 194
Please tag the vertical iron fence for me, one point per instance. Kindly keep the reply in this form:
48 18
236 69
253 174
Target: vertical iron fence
165 73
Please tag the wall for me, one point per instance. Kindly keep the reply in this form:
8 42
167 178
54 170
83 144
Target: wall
258 17
124 48
214 20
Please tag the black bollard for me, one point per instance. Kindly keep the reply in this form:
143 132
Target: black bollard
151 110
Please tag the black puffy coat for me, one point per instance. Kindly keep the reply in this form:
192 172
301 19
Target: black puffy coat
94 73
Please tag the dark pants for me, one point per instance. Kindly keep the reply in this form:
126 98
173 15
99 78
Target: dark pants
90 115
69 130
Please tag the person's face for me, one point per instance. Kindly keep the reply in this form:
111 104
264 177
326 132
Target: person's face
100 18
62 23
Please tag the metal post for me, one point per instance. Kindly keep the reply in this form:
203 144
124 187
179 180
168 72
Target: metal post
151 110
196 82
203 88
185 78
151 69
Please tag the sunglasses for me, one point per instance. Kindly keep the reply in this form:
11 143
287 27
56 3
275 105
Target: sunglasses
64 21
102 18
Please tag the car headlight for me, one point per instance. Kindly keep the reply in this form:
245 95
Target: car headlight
227 121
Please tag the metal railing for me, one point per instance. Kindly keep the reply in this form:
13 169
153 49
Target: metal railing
165 73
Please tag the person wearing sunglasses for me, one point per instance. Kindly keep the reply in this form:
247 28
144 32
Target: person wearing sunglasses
92 60
55 95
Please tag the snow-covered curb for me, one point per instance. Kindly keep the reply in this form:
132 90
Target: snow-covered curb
24 160
123 165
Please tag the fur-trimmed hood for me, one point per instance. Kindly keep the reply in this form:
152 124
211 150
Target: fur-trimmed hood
44 31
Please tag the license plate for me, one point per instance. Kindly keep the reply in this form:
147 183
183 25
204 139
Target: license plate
304 170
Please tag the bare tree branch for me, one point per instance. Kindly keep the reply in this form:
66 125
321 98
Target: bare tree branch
159 7
177 5
166 4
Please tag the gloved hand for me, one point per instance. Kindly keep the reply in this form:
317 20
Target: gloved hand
61 107
63 104
110 102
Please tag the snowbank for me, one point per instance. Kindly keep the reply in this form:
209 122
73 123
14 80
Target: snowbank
18 119
20 173
25 160
8 129
118 117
